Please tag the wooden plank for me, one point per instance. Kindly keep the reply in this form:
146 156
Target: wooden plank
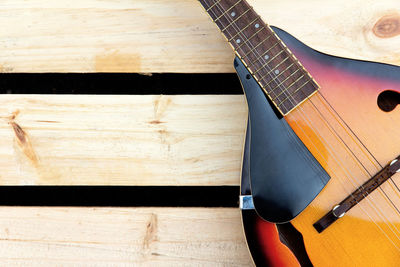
121 140
122 237
178 36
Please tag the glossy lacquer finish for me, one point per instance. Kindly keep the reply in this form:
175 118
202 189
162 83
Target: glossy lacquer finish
353 139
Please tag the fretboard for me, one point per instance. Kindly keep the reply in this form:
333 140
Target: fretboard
276 69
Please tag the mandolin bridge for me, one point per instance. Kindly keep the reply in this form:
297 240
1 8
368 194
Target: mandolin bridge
358 195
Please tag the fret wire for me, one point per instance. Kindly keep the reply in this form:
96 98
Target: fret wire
294 92
263 77
243 29
222 31
266 52
226 11
261 56
234 21
248 39
281 83
309 80
216 3
254 51
233 24
266 63
301 77
281 63
257 46
269 73
274 68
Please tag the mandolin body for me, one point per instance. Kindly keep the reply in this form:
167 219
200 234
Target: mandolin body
352 138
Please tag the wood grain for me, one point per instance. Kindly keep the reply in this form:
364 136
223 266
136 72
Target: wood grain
121 237
121 140
178 36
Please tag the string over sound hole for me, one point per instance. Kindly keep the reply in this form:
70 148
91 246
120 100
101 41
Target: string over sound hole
388 100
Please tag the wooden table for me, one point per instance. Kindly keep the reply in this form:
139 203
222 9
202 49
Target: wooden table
143 140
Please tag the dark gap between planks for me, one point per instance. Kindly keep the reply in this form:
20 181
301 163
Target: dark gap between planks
120 196
119 83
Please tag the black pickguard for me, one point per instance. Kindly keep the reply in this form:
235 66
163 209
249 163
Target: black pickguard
284 177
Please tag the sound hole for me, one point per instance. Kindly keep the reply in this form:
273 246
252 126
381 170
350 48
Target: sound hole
388 100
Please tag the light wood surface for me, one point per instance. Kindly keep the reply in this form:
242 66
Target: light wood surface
121 237
178 36
143 140
121 140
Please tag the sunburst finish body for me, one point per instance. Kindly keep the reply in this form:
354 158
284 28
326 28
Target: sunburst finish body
346 131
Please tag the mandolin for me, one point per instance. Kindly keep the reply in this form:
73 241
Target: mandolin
320 176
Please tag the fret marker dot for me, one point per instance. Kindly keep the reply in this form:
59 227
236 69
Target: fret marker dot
276 71
238 41
266 57
257 26
233 14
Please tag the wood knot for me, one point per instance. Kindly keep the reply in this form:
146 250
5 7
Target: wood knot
19 133
387 26
23 140
156 122
151 231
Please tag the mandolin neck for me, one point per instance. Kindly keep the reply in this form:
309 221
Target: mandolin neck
275 68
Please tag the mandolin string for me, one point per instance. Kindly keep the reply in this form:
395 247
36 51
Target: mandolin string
369 175
380 215
340 120
350 193
349 174
375 207
381 190
234 24
345 170
286 95
354 156
336 116
360 163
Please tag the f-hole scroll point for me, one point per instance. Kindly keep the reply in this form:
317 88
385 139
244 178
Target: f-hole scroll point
388 100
